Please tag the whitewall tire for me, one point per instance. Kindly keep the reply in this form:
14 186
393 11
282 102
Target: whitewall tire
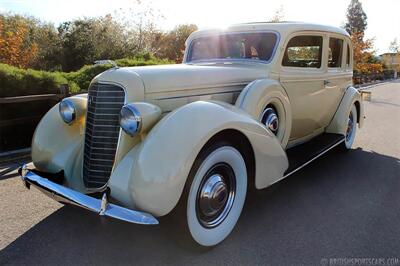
217 194
351 128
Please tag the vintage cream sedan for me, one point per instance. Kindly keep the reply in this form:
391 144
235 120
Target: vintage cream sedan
249 105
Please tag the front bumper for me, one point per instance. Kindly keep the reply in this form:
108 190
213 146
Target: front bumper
67 195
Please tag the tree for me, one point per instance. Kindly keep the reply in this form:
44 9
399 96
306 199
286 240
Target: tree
140 26
394 46
85 40
171 45
39 36
28 42
363 54
16 46
356 19
278 15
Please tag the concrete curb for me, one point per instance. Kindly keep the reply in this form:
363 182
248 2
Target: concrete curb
371 85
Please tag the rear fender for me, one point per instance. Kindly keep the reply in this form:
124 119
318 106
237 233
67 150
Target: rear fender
339 122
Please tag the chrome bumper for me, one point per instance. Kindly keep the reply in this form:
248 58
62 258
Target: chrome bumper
67 195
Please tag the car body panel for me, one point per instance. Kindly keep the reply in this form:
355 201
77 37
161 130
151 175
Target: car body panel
57 146
339 122
314 93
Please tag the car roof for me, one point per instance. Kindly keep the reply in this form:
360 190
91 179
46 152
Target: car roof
284 28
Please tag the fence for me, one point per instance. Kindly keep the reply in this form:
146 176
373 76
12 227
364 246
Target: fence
20 115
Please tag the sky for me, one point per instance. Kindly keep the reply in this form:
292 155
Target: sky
383 15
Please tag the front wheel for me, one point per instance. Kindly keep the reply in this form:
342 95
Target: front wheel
216 194
351 129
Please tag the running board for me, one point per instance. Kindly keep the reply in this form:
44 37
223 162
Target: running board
301 155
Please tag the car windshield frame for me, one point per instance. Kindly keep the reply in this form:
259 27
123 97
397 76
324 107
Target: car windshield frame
208 60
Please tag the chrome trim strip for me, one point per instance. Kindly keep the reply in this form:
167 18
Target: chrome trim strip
213 87
194 95
313 159
67 195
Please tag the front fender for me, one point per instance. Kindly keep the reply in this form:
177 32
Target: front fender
152 175
57 146
339 122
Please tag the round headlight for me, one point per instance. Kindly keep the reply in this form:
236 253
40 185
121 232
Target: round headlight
67 111
130 119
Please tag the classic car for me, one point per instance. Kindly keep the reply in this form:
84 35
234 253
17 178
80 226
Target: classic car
248 106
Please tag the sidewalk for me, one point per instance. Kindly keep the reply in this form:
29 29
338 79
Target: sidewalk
373 84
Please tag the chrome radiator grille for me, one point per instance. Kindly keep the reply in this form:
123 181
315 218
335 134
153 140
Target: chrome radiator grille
102 132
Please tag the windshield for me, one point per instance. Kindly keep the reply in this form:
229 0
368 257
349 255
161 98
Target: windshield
253 46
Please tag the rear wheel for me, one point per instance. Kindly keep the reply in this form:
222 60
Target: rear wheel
215 193
351 129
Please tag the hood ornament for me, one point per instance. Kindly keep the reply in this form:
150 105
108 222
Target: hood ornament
106 62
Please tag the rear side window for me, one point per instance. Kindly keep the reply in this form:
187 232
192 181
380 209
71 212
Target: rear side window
303 51
335 52
348 56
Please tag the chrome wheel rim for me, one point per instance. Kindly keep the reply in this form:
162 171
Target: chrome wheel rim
270 119
216 195
350 126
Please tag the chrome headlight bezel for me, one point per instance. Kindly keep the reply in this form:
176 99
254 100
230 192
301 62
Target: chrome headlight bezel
67 111
130 119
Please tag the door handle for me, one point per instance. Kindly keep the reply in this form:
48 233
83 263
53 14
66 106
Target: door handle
327 82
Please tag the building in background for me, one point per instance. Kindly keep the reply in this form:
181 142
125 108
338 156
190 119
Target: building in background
392 62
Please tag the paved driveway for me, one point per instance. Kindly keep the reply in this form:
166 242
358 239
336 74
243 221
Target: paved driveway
341 206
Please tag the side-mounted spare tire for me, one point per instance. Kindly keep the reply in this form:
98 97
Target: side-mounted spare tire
267 102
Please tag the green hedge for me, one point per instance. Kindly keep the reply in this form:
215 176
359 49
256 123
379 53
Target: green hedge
19 82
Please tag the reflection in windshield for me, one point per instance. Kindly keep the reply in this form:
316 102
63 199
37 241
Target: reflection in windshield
254 46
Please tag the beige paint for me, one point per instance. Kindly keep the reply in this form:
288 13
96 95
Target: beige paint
57 146
151 176
262 92
188 104
339 122
313 101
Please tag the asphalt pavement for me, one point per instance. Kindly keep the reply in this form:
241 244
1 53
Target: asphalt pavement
342 207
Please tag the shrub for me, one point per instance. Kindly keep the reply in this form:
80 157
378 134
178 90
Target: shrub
84 76
18 82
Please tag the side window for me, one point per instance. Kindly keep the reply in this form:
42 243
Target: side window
303 51
348 56
335 52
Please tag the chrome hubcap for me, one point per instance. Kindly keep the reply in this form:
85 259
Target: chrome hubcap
270 119
350 124
216 195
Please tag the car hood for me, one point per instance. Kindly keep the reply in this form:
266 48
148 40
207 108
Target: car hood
164 78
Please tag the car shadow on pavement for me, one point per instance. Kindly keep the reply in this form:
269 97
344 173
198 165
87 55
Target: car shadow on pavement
9 169
342 205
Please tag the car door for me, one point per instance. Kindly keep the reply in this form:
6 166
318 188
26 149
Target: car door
339 74
303 74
